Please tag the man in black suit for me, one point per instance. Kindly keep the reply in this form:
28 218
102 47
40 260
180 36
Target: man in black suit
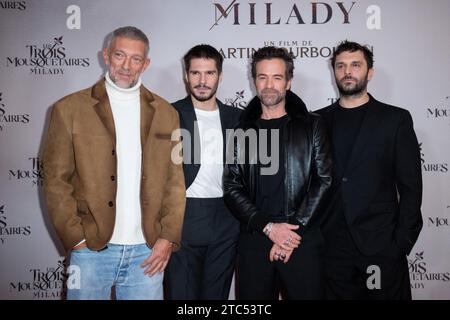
375 209
203 267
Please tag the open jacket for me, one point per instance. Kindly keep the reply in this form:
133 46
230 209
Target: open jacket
229 117
80 169
307 166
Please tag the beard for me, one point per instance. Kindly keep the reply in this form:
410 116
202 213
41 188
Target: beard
122 83
352 90
271 97
202 98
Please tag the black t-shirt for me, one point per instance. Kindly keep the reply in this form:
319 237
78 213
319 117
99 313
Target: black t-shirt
270 198
346 126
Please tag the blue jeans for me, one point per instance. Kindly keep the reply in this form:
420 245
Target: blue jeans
93 273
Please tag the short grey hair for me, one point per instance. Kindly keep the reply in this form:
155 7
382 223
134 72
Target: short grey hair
129 32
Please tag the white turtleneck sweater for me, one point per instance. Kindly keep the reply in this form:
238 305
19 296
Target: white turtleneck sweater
125 106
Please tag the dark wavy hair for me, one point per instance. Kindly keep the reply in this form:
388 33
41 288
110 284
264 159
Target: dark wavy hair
268 53
204 51
352 47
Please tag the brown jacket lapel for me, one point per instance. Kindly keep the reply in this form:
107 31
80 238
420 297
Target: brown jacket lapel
104 112
103 108
147 113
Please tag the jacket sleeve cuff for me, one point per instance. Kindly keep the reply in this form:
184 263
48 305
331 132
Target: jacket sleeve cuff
258 221
404 245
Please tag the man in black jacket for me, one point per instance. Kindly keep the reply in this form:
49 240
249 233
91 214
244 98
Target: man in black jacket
377 186
203 267
278 202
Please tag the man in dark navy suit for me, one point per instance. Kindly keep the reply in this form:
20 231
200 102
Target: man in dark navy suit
375 215
203 267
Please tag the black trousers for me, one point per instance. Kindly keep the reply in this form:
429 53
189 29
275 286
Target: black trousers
203 267
351 275
259 279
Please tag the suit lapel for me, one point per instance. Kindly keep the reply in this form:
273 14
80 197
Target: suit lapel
147 113
328 116
103 109
104 112
189 122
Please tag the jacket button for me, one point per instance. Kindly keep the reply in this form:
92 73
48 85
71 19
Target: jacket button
110 204
113 178
144 177
113 152
344 179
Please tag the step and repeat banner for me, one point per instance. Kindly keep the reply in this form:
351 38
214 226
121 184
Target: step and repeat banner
50 48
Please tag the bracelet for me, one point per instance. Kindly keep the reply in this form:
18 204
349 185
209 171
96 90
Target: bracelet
268 228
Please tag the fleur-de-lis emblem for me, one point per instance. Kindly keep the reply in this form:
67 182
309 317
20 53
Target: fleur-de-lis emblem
419 256
240 95
58 40
62 263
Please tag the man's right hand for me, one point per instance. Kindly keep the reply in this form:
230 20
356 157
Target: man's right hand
282 234
276 253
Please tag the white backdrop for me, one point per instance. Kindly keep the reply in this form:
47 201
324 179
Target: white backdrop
50 48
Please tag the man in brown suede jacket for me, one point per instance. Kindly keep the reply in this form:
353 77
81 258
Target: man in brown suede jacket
114 194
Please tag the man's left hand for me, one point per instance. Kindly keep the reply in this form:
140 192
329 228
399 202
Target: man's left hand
159 258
